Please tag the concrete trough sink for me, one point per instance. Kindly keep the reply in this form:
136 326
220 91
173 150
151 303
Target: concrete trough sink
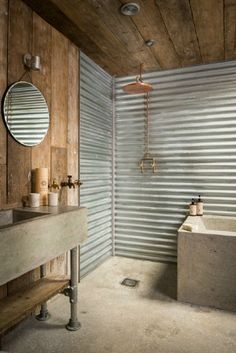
12 216
32 237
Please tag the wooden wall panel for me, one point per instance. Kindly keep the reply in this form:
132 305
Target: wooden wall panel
59 169
72 167
3 289
23 31
18 156
73 122
73 89
42 46
59 103
3 84
19 43
3 185
3 73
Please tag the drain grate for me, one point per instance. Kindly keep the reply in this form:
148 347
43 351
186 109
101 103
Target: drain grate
129 282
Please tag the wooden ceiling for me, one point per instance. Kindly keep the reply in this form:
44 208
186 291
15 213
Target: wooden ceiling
187 32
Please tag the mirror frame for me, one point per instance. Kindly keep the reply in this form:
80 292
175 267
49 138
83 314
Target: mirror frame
4 114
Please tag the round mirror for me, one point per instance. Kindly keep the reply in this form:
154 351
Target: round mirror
26 113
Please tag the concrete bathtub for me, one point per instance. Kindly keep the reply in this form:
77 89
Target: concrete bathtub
207 261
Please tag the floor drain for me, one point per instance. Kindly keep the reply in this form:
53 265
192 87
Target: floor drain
129 282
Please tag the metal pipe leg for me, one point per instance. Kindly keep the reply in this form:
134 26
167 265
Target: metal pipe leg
44 314
73 324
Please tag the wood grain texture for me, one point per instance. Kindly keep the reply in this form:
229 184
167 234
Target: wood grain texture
19 43
16 307
209 23
187 32
73 122
72 167
53 15
73 94
79 137
151 26
59 170
59 89
59 265
178 20
3 291
3 74
21 31
83 18
3 185
19 39
42 34
125 30
230 29
19 283
88 21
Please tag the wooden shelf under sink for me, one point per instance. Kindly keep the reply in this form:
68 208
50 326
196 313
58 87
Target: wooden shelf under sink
17 307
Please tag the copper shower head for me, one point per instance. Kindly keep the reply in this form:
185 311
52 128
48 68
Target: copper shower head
139 86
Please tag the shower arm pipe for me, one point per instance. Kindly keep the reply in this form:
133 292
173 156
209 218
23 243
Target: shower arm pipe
147 124
140 78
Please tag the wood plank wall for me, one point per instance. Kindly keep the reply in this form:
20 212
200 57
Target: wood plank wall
22 31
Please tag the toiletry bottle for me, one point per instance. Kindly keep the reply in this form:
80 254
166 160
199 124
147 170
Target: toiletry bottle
193 208
199 206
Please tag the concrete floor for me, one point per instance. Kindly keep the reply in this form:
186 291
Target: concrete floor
118 319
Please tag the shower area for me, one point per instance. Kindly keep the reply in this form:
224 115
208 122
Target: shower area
136 213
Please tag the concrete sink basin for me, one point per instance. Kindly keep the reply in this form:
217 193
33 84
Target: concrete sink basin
32 237
12 216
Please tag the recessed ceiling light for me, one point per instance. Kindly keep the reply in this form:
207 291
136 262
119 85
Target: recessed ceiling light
130 9
150 42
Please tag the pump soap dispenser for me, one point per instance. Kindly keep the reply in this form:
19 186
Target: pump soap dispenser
199 206
193 208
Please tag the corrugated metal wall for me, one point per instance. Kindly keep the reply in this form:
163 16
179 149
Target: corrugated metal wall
95 161
193 137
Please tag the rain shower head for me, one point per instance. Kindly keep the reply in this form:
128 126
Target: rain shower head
139 86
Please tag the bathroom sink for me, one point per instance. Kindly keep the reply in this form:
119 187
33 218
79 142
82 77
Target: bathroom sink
32 237
12 216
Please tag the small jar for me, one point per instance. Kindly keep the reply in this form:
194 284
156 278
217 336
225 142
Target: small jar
52 199
193 208
34 199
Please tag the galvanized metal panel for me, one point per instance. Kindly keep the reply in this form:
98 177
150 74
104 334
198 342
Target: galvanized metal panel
193 137
96 162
